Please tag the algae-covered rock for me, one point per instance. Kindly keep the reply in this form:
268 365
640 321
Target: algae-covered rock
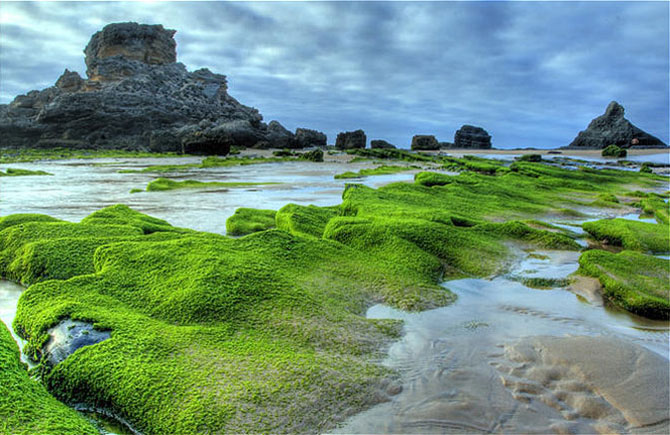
25 405
636 282
250 220
304 220
633 235
15 172
614 151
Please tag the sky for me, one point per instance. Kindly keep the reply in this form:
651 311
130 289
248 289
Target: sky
533 74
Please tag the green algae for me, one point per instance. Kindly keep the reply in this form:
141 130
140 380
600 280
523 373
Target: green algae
306 221
250 220
614 151
15 172
25 405
280 315
654 205
163 184
636 282
22 218
631 235
380 170
212 162
390 154
545 283
23 155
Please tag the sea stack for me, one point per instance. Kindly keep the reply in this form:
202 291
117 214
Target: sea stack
471 137
612 128
137 96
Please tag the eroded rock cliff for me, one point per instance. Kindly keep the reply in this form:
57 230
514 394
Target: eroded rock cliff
137 96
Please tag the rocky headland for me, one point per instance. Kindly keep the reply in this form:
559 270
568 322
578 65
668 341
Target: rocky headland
612 128
137 96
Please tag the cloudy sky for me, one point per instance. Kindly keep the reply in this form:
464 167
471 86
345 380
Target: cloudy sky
531 73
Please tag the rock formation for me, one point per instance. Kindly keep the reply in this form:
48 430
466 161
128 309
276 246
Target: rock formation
378 143
305 138
136 96
469 136
612 128
351 139
425 143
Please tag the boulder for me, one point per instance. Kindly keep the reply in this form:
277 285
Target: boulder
425 143
305 138
469 136
612 128
137 96
382 144
446 145
350 140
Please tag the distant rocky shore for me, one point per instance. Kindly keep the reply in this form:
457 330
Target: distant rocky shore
138 97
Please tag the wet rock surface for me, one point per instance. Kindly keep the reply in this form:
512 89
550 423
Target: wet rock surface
137 96
469 136
69 336
612 128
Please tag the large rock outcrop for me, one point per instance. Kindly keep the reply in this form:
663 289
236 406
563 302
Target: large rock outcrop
381 144
423 142
469 136
136 96
350 140
612 128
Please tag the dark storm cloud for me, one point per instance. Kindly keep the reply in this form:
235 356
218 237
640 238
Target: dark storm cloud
532 74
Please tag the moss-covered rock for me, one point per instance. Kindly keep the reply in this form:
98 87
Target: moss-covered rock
162 184
380 170
250 220
633 235
614 151
302 220
15 172
25 405
636 282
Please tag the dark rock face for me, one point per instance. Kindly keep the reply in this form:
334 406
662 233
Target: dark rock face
469 136
612 128
446 145
351 140
305 138
425 143
136 96
68 336
378 143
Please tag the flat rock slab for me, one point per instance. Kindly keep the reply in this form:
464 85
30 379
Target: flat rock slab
613 382
68 336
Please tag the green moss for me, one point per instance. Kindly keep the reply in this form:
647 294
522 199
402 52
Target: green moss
608 197
22 218
636 282
21 155
530 158
15 172
120 214
312 156
25 405
211 334
614 151
308 221
27 253
250 220
646 168
545 283
390 154
633 235
380 170
655 206
475 164
162 184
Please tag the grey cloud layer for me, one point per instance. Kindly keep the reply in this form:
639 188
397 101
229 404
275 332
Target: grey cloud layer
532 74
